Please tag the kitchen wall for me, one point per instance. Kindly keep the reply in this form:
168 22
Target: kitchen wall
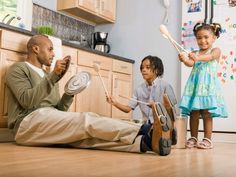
52 4
135 34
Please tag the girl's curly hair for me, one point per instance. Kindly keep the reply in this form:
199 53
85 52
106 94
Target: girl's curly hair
214 27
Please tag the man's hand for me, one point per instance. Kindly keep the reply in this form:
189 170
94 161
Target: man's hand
62 66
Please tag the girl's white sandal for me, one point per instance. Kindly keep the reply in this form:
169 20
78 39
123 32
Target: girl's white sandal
206 143
191 142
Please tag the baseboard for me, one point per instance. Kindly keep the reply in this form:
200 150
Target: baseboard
218 137
6 135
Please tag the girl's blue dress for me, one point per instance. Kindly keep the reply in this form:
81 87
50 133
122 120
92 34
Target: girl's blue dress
203 91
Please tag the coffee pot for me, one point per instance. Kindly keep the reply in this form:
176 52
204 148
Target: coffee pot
99 42
103 47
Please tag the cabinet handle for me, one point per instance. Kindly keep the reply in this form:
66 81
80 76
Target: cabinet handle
115 83
123 67
97 62
102 6
98 4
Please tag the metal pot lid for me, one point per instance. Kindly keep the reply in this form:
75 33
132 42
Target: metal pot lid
77 83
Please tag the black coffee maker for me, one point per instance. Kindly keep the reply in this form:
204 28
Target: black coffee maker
99 42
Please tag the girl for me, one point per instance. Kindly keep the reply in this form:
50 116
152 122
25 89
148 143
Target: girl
154 89
202 94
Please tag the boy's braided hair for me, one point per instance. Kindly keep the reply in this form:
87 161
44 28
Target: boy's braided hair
155 64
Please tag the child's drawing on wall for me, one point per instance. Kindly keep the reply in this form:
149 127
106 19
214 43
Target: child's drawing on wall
194 6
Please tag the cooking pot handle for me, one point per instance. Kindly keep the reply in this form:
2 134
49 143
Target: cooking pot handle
108 48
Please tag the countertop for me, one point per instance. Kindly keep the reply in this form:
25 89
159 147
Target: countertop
67 43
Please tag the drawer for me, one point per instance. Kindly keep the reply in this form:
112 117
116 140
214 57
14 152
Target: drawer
11 57
72 52
13 41
89 59
122 67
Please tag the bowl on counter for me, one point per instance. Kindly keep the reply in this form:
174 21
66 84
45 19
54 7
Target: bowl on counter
75 42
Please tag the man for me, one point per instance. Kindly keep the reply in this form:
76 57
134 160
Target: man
38 117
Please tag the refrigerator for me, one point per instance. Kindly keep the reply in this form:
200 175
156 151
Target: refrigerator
223 12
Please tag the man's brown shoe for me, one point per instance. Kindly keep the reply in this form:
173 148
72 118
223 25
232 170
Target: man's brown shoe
172 113
162 126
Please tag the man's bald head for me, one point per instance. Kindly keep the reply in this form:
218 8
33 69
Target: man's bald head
36 40
40 51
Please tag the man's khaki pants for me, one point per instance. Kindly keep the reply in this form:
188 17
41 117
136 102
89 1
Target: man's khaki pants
47 126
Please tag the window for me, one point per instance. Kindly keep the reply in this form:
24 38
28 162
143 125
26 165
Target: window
17 13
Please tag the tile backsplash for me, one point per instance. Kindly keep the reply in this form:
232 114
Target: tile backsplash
63 26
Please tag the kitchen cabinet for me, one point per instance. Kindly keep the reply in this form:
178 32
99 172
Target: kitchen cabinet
117 77
121 87
11 50
13 41
93 98
107 9
7 58
89 5
103 8
93 11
